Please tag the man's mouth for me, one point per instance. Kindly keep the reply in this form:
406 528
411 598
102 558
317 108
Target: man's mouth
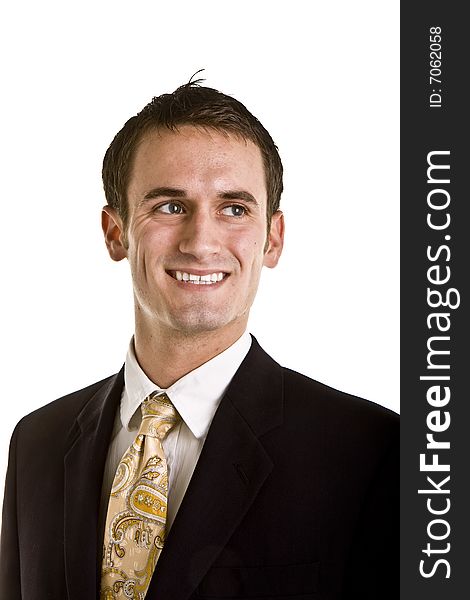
206 279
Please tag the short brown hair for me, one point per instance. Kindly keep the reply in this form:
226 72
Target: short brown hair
190 104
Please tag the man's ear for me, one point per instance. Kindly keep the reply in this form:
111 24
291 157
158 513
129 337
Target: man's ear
114 235
275 241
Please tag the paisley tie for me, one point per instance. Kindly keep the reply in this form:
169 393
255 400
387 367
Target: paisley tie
135 523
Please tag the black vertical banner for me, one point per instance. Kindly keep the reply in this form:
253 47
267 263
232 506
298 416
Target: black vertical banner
435 297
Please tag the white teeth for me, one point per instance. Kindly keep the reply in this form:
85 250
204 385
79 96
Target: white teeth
199 279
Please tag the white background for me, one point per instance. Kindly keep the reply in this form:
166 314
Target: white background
323 79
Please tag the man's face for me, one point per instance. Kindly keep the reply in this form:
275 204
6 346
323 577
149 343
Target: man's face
196 237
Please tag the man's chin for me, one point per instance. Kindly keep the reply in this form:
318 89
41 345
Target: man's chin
197 324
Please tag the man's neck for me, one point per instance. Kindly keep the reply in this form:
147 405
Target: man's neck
166 356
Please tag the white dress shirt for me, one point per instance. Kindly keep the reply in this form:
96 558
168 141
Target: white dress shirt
196 397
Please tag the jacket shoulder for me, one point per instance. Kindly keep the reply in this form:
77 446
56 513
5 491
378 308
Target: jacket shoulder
60 413
337 410
305 387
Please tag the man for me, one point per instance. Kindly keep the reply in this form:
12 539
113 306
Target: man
202 469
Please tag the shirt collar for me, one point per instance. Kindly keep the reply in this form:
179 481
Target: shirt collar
196 396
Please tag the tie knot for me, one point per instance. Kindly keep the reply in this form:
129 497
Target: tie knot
158 415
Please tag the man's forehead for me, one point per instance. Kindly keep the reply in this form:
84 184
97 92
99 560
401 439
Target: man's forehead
165 157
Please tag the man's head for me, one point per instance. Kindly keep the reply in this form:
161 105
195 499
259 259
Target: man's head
190 104
188 203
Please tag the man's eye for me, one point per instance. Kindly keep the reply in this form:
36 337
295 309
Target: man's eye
234 210
170 208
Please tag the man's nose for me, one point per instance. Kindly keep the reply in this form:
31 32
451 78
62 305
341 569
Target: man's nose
200 236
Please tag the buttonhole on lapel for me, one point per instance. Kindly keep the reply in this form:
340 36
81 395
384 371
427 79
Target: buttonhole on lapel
242 474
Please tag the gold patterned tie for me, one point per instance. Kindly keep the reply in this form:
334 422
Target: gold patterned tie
135 522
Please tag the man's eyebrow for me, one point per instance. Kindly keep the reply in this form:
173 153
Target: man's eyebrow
167 192
238 195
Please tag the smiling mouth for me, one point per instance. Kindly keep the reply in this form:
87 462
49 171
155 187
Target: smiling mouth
207 279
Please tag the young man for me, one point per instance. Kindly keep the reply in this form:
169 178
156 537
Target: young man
203 468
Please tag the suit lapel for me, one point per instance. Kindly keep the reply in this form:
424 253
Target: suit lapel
230 472
84 465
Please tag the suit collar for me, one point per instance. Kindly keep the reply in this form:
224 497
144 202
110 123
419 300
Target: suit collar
256 391
229 475
84 464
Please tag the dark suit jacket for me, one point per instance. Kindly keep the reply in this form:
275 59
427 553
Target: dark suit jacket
294 496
